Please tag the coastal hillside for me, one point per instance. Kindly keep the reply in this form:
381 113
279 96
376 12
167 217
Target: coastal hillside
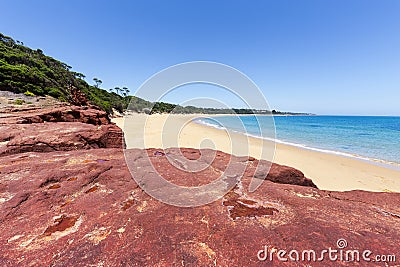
31 72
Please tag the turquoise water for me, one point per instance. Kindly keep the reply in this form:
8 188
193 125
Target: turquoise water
369 137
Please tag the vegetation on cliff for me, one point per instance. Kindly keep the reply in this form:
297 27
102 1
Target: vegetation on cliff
28 71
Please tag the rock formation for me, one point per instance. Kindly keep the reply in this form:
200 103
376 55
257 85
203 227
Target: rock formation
68 199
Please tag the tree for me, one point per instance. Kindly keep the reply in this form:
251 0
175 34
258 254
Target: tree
79 75
98 82
117 89
126 91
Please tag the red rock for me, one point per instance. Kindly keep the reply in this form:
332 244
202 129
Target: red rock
77 97
78 205
61 136
57 129
84 114
284 175
119 224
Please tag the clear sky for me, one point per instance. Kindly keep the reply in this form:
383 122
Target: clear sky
320 56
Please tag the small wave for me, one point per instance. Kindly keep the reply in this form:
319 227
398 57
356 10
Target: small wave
389 164
209 124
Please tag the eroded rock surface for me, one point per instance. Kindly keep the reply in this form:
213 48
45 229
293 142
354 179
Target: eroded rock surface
84 114
83 208
57 129
61 136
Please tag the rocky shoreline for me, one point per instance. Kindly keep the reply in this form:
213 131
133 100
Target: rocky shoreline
68 199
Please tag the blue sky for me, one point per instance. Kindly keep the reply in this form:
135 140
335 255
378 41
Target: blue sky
325 57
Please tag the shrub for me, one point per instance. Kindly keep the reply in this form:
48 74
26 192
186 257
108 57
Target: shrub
18 102
54 92
29 93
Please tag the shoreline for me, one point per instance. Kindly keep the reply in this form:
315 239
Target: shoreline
329 171
379 162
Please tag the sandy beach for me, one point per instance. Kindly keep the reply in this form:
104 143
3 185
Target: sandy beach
328 171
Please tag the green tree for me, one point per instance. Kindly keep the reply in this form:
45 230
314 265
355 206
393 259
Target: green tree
118 90
97 82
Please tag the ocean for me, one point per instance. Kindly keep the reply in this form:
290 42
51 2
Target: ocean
367 137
